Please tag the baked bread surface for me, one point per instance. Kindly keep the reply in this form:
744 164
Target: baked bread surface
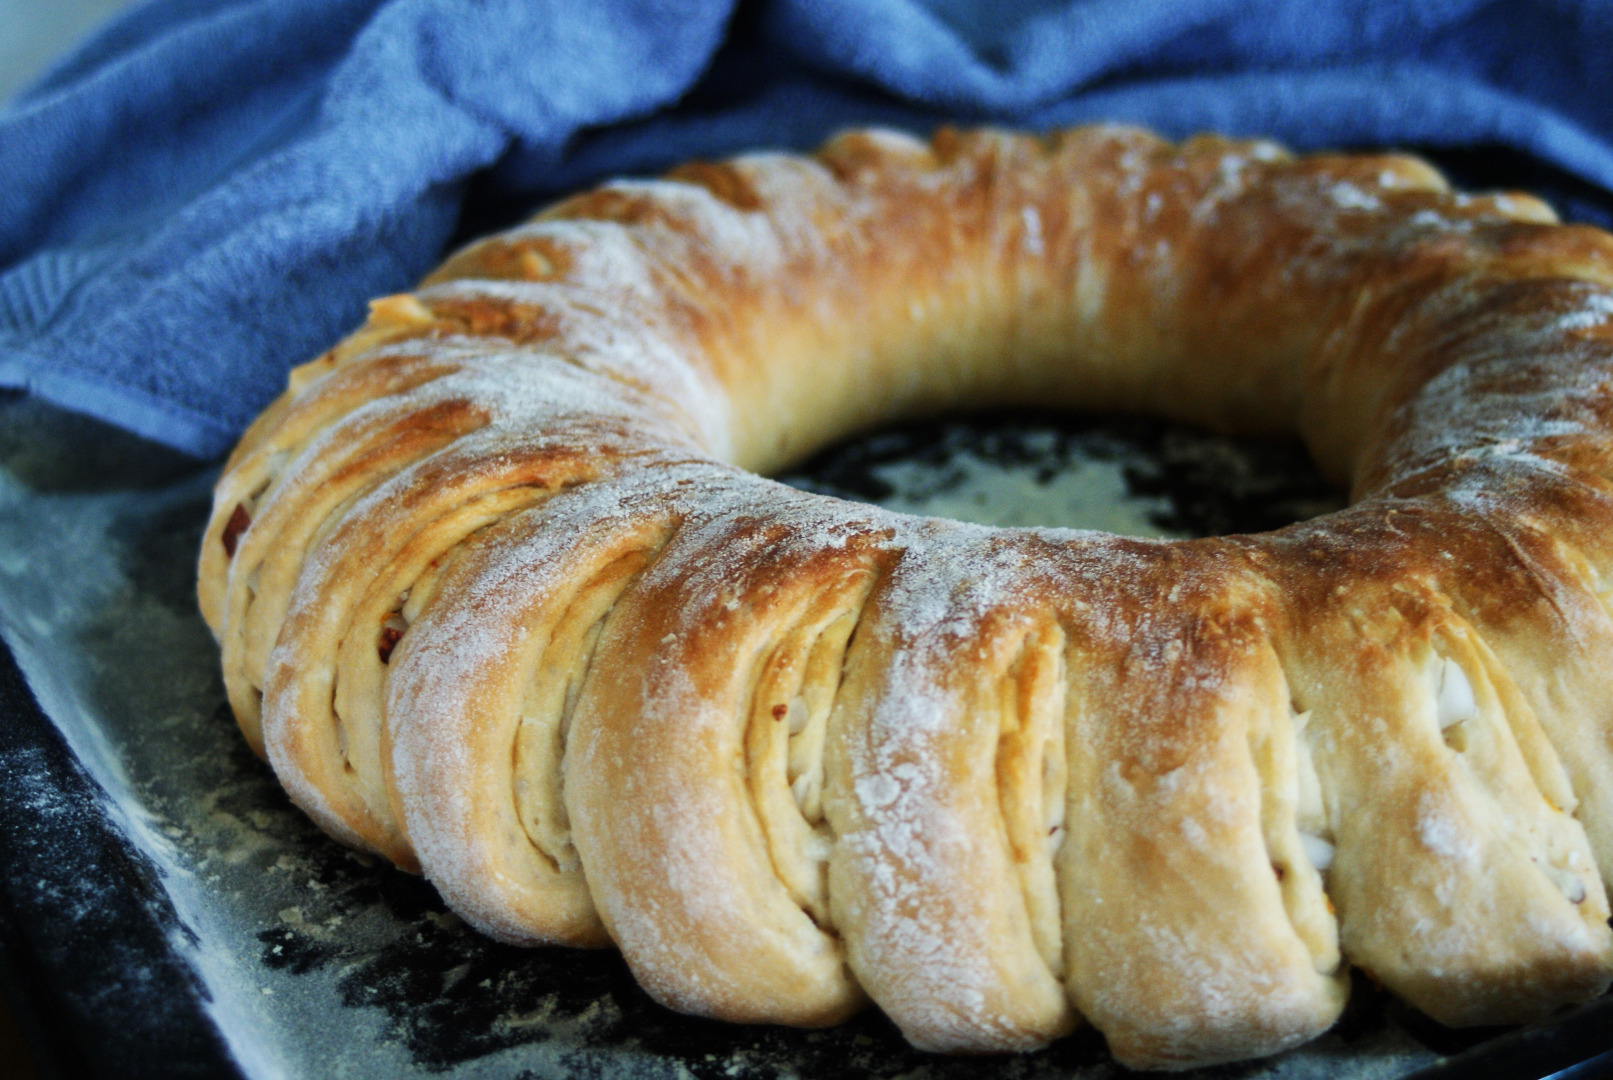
503 595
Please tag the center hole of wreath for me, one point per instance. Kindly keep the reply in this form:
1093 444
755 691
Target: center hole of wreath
1134 477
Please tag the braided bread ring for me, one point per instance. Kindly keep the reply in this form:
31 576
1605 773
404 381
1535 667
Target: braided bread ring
502 595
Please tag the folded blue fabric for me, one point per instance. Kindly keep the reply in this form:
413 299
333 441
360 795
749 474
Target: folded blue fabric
207 191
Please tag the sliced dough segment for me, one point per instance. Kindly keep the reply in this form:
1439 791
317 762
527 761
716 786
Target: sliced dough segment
1293 818
1182 944
1450 864
259 462
323 737
353 457
480 696
677 857
1489 724
1546 612
1032 779
796 687
940 894
323 720
551 700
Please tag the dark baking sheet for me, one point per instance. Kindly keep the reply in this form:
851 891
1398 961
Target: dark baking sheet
165 912
178 914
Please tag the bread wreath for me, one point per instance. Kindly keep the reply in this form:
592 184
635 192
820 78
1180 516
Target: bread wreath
502 596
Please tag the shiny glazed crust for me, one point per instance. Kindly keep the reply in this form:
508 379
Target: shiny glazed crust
502 596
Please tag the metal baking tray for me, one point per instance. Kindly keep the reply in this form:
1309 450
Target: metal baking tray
164 911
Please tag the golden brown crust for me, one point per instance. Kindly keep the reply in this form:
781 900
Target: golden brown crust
515 610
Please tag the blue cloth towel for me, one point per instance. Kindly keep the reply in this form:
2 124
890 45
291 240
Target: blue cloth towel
207 191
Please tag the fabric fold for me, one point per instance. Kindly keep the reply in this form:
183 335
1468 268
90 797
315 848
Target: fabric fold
205 194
